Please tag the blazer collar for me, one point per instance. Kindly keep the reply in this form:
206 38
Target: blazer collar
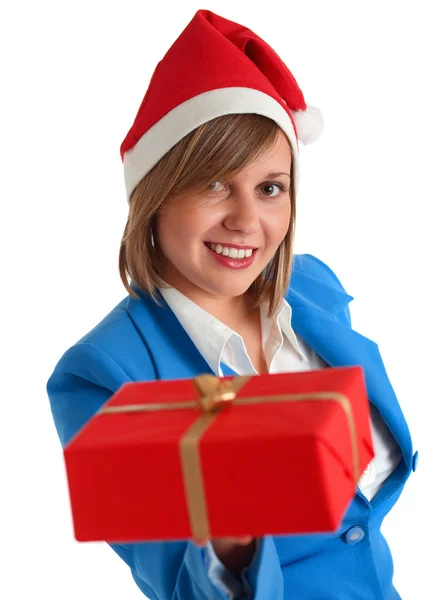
307 291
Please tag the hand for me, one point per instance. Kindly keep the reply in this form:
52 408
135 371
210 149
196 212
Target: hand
235 553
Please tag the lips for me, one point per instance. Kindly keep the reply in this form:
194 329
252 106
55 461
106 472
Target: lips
231 257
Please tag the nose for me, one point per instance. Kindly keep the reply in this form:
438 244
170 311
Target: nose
242 213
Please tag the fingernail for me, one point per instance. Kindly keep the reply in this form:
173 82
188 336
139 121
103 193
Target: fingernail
246 539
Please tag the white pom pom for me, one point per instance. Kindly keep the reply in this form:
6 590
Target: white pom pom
309 124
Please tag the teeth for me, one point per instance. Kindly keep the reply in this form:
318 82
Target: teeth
232 252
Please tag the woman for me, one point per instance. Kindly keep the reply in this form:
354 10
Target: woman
211 172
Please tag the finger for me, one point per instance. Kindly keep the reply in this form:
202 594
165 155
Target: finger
243 540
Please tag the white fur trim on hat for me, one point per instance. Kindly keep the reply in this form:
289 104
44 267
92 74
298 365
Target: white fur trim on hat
192 113
309 124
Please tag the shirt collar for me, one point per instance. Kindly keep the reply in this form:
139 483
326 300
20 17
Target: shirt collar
284 317
210 335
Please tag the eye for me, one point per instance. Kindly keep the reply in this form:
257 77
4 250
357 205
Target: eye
274 184
212 186
268 186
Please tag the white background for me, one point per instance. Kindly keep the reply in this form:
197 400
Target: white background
73 76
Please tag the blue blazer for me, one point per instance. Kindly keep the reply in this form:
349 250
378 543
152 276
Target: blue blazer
139 340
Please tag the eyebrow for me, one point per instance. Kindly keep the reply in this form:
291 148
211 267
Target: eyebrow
277 174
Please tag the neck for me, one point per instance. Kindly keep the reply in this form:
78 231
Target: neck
230 311
234 312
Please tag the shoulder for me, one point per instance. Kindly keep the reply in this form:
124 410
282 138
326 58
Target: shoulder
313 283
113 329
110 353
311 266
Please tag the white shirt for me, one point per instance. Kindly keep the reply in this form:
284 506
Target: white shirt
284 351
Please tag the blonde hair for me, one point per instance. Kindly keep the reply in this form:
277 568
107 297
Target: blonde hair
217 149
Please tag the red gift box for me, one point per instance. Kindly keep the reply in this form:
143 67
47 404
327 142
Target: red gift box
205 458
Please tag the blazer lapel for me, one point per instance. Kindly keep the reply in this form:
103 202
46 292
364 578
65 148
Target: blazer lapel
172 351
227 370
315 306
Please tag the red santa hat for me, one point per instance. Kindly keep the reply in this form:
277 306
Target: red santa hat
215 67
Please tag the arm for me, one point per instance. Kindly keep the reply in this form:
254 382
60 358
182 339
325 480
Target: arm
82 382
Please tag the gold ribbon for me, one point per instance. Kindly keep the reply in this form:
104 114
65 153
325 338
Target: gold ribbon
214 395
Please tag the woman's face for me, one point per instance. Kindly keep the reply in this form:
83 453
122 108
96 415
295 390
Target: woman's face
202 239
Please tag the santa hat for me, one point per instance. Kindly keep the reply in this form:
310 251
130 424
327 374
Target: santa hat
215 67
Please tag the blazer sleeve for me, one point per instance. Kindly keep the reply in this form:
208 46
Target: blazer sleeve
83 380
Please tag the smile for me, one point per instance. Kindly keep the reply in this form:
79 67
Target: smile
237 259
230 251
